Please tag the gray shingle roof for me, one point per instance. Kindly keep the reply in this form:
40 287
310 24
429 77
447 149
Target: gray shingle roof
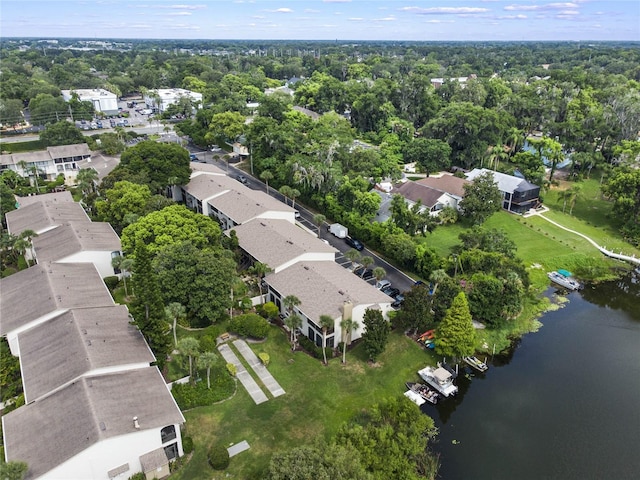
323 287
414 191
506 183
276 242
44 215
75 343
446 183
46 288
45 197
205 185
50 431
73 238
244 205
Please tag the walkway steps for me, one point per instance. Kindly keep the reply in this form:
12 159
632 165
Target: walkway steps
245 378
263 374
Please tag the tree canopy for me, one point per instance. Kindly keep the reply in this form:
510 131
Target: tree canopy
162 164
171 225
455 336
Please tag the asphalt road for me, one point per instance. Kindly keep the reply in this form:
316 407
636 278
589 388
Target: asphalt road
397 278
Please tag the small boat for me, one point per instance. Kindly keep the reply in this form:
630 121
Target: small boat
440 379
475 363
424 391
564 279
415 397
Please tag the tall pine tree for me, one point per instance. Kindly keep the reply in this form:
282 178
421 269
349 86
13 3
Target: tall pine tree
374 339
455 336
147 307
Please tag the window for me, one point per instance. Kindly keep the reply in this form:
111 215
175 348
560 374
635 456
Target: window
168 433
171 451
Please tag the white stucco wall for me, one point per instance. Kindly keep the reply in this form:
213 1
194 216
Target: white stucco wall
101 260
94 462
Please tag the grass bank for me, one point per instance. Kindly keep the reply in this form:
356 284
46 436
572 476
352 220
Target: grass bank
318 400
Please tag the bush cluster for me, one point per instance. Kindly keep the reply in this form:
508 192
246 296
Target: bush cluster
111 282
218 457
189 395
187 445
313 349
249 325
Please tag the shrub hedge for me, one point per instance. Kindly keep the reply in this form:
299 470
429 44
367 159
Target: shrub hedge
189 395
218 457
312 348
249 325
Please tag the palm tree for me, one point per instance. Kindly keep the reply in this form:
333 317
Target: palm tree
564 195
366 262
28 236
86 179
175 311
348 326
437 277
379 273
260 270
319 220
326 322
285 190
124 265
576 191
293 194
207 360
266 176
189 346
353 256
293 322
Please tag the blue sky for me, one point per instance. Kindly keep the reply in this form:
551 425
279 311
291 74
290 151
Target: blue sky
428 20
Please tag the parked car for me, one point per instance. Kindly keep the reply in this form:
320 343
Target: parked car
397 303
391 291
363 272
296 213
354 243
112 123
383 284
241 179
193 157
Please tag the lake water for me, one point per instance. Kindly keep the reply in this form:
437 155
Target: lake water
564 404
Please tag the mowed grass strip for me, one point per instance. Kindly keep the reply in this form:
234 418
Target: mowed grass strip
318 400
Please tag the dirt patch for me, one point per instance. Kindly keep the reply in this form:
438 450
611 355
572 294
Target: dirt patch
353 367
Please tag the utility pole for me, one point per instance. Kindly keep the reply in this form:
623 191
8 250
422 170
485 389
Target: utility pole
70 112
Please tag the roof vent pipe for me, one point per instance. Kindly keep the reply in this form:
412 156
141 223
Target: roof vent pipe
136 425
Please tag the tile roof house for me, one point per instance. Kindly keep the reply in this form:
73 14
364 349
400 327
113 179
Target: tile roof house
43 291
279 243
97 427
518 195
80 242
79 343
326 288
44 215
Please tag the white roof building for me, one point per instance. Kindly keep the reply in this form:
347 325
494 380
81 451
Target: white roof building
161 98
103 100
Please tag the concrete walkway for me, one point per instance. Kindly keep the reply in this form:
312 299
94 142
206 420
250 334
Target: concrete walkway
263 374
604 251
245 378
237 448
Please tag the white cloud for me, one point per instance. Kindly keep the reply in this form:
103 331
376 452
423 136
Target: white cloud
336 1
183 7
355 19
178 14
390 18
280 10
311 10
439 21
547 6
519 16
444 10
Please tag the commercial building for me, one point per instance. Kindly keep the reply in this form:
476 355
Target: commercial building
103 101
160 98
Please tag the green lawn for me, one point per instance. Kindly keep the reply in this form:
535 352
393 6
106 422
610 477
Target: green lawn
21 147
318 400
